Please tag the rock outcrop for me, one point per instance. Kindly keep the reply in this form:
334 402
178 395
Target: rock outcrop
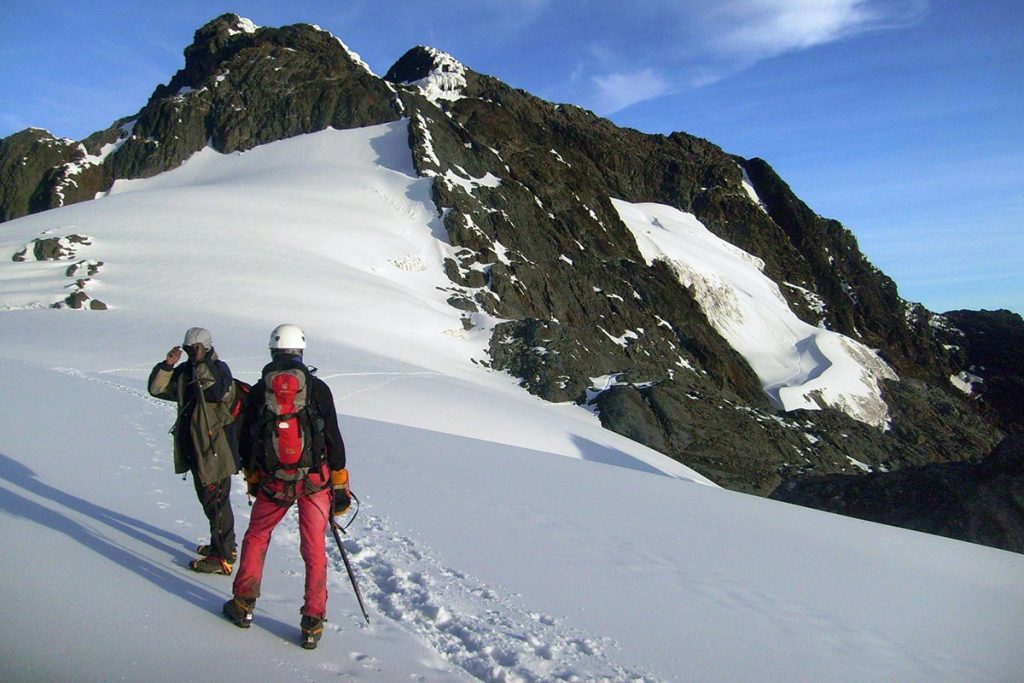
992 348
977 502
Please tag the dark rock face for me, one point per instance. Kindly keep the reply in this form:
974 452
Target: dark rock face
524 190
754 449
569 274
981 503
992 343
544 248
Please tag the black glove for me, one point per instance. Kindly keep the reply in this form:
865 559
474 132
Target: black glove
252 481
342 499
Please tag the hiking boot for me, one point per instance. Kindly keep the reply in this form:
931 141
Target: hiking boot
312 629
239 611
204 550
211 565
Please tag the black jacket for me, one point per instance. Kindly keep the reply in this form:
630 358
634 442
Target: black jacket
324 401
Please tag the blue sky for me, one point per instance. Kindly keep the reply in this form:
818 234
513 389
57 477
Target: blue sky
904 119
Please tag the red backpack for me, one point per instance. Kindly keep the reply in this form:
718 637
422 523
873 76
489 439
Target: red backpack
290 427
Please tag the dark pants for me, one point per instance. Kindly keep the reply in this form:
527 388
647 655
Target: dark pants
217 506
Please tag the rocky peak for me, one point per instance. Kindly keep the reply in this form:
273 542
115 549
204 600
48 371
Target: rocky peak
436 74
212 44
241 86
214 37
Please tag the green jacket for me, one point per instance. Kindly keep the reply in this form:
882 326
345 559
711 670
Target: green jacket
205 439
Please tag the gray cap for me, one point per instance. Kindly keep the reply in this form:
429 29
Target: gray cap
198 335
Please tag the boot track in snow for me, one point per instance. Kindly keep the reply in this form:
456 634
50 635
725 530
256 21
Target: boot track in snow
467 622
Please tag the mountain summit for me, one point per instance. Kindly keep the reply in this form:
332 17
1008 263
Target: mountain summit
684 294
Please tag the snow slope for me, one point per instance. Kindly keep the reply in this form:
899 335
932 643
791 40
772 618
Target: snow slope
501 538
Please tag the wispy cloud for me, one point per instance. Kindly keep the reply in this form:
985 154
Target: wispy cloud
667 47
616 91
751 30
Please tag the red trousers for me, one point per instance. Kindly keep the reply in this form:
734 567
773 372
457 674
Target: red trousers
314 512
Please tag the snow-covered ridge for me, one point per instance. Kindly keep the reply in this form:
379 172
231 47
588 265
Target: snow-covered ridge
800 366
353 55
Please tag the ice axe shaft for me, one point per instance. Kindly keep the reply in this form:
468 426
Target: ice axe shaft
335 528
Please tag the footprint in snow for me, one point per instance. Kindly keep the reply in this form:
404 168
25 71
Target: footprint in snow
365 660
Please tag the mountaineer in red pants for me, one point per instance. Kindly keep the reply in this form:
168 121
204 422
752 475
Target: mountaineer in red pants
292 452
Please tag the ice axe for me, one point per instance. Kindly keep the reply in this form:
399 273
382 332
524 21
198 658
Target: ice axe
337 530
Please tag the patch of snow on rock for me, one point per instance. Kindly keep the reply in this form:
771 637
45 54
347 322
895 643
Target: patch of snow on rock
814 302
800 366
469 183
748 187
965 381
243 25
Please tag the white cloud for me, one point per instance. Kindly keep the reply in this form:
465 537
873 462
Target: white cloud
616 91
758 29
673 46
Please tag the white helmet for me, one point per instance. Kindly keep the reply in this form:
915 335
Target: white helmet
287 336
198 335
